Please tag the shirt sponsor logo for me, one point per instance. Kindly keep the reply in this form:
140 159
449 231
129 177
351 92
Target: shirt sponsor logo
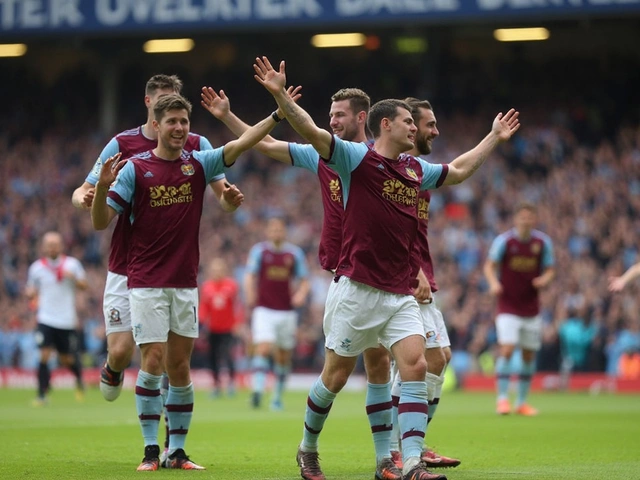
423 209
520 263
397 192
334 189
163 196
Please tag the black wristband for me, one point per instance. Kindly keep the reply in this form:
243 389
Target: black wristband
275 116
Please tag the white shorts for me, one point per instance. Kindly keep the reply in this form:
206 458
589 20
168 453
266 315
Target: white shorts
432 310
358 317
428 312
156 311
525 332
274 326
115 304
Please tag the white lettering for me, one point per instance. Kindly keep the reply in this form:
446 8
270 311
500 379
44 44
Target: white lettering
190 12
32 15
8 12
275 9
112 16
214 9
65 11
165 11
142 10
350 8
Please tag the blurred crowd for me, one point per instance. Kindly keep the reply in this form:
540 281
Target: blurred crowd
586 188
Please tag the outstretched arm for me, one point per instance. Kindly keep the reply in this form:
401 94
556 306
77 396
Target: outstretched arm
275 81
466 164
247 140
218 105
617 284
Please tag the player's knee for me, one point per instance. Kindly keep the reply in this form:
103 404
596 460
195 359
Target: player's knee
435 361
413 369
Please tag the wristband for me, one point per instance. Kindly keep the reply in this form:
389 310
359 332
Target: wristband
275 116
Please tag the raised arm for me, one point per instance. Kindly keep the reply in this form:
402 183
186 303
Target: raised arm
275 81
466 164
248 139
218 105
101 213
491 274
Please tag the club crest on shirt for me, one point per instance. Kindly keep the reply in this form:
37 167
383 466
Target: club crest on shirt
535 248
187 169
412 173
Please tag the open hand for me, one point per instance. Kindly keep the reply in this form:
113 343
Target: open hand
274 81
110 169
216 104
505 126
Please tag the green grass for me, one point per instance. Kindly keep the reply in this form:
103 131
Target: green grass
576 437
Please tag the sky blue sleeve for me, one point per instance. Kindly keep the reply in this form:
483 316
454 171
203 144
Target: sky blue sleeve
431 173
124 187
254 259
205 144
346 156
213 163
496 252
548 259
301 269
108 151
304 156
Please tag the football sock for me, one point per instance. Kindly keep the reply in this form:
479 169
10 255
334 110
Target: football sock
281 372
260 367
378 401
502 374
148 406
44 377
179 408
412 417
395 400
319 404
524 381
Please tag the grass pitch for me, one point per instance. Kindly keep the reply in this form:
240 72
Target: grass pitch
576 437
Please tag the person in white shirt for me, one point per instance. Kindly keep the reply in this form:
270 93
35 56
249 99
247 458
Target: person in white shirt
53 280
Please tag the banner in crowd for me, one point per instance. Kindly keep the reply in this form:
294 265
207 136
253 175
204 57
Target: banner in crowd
107 17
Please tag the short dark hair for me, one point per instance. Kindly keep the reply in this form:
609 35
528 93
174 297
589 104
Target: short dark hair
384 109
359 101
173 101
524 205
163 82
416 104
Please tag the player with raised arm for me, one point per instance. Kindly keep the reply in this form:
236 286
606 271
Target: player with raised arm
276 283
164 188
347 119
374 296
520 263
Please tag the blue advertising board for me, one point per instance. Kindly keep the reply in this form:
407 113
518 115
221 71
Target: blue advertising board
24 18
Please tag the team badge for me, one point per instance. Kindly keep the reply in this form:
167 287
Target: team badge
535 248
187 169
114 317
412 173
